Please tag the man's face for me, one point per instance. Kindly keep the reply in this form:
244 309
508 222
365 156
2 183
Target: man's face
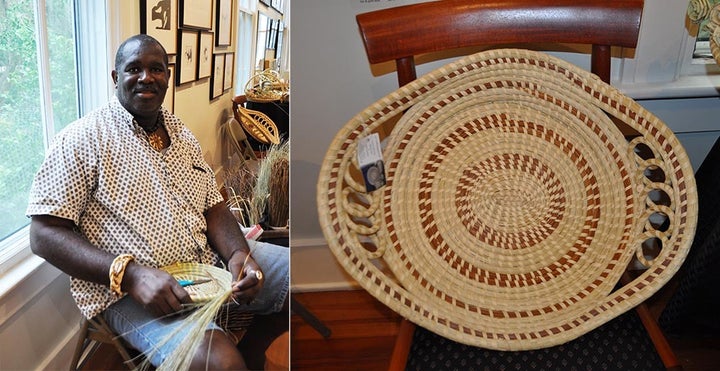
141 79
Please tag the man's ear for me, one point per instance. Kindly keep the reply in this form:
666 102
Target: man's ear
114 76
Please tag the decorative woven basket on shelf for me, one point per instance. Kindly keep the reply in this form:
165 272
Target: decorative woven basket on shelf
512 204
266 86
707 11
258 125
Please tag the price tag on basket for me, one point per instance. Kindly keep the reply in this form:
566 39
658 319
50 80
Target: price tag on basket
369 155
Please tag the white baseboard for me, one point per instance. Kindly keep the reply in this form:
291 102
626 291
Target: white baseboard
325 286
314 268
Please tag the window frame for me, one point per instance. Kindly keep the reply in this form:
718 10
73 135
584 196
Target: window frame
663 65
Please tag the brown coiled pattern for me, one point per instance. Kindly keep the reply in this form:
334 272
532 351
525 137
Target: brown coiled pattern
513 204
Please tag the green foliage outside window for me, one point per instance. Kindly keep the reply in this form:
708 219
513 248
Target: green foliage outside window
21 124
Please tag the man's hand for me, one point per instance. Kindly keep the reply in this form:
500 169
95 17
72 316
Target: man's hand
156 290
247 278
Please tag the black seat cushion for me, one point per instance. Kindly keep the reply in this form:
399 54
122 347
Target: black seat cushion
621 344
694 305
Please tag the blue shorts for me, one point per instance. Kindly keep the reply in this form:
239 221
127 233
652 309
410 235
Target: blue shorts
144 332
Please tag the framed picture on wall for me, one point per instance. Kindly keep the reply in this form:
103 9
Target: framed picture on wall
277 5
158 18
187 59
196 14
229 67
216 79
169 101
205 55
223 23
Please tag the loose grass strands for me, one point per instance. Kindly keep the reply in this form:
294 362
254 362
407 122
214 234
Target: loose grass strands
241 206
196 323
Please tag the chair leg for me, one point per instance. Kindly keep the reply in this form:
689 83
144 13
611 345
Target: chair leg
656 335
94 332
80 345
401 350
658 338
101 325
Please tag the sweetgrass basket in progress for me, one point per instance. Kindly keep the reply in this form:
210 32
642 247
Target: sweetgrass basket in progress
220 279
229 316
513 203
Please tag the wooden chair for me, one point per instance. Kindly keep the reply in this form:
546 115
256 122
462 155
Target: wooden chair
93 333
357 224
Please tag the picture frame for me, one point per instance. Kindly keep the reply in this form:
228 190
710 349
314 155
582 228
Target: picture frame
261 36
169 101
205 55
196 14
229 71
277 5
223 22
216 79
158 18
187 58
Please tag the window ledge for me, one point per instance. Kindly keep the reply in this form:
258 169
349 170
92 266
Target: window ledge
22 282
684 87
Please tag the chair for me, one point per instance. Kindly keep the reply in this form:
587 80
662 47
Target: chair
472 160
93 333
235 140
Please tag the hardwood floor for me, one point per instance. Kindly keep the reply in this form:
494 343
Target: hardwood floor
362 338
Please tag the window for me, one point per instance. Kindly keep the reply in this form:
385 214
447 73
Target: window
38 97
702 43
244 55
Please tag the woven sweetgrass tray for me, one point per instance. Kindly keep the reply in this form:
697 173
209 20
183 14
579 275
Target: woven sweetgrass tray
513 202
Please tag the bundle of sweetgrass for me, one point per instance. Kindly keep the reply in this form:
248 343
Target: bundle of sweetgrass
277 157
279 196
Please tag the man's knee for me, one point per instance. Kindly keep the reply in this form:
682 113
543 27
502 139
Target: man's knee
218 352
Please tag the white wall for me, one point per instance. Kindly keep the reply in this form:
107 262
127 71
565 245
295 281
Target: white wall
332 81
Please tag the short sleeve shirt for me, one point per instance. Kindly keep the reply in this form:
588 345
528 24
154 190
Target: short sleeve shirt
124 196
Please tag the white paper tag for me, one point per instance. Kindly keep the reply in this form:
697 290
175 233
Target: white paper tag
369 156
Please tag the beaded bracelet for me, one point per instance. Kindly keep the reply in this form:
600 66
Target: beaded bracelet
117 271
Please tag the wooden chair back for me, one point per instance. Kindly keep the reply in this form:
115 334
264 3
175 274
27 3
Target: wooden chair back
401 33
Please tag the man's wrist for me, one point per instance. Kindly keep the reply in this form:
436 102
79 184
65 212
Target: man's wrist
117 272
